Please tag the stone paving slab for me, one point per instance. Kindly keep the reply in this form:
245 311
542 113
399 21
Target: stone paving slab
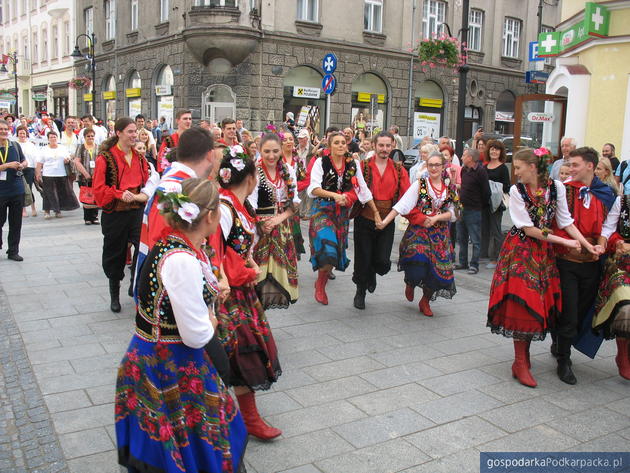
380 390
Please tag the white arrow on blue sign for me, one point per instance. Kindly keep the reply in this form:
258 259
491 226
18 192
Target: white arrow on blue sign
329 83
329 64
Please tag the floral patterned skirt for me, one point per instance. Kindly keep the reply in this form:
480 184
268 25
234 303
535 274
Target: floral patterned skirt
173 412
426 257
525 295
277 285
612 306
328 233
246 336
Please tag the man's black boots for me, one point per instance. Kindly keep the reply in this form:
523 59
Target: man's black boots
359 298
114 294
565 373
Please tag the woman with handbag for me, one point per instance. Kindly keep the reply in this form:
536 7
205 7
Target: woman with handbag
275 201
85 162
30 153
426 252
52 173
491 232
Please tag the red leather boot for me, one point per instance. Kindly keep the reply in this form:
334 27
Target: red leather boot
520 370
623 357
320 287
409 292
254 423
424 306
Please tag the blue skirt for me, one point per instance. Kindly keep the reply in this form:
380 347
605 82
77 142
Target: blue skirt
328 233
173 412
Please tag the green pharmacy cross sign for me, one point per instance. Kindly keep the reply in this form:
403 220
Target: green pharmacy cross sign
595 23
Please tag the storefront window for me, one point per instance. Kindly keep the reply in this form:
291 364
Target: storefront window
369 103
504 115
428 114
109 98
164 95
132 93
304 98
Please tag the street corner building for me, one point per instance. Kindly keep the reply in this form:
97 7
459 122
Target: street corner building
591 45
258 60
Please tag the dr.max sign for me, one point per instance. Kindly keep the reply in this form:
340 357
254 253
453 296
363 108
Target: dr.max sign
540 117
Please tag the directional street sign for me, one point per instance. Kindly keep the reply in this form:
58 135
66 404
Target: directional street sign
329 83
329 64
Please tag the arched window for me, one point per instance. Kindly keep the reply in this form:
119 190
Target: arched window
504 113
429 110
218 102
369 100
163 103
109 98
133 92
303 97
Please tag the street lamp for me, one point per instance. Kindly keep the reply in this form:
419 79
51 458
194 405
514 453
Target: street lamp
3 70
77 54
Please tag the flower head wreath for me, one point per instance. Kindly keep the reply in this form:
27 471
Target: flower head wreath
237 157
178 205
544 159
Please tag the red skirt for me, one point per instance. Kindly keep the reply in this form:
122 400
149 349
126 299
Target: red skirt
525 296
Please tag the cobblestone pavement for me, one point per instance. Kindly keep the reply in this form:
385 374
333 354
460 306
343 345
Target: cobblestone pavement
381 390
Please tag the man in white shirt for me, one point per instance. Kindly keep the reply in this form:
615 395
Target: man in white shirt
567 145
100 133
68 138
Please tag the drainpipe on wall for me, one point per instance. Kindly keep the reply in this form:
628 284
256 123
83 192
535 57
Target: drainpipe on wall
411 65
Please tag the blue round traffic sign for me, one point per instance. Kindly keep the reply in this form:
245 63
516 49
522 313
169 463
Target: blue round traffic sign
329 83
329 64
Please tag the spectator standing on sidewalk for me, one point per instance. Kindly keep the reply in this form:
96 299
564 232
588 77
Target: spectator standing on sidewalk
12 164
474 196
499 177
30 153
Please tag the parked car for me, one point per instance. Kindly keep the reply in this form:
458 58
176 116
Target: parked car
508 142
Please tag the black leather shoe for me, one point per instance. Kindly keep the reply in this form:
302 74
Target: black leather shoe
114 294
554 349
331 276
565 373
372 287
359 299
15 257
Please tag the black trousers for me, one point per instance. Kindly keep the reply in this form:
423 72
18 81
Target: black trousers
90 214
119 228
579 283
13 207
372 251
216 352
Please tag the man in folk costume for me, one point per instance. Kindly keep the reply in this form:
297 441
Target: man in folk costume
388 181
183 119
595 210
195 158
119 175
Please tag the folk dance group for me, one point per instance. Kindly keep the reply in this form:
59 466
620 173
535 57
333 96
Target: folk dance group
219 245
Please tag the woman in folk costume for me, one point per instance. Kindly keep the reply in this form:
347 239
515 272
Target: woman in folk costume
291 159
173 412
243 326
612 306
525 296
335 185
275 202
426 253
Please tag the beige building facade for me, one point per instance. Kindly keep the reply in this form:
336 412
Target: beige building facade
42 34
258 60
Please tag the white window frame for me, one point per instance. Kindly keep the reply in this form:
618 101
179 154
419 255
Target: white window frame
475 29
511 37
35 47
433 18
44 51
110 19
373 16
134 15
307 10
88 18
164 10
54 44
66 38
